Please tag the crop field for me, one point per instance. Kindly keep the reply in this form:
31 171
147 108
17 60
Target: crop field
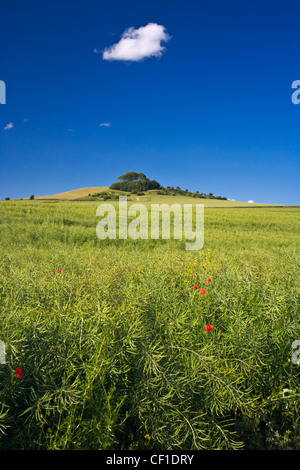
141 344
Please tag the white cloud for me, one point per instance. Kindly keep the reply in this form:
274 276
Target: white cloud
8 126
231 199
104 124
96 51
250 202
138 44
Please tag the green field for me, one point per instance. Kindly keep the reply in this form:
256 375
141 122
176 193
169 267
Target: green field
113 349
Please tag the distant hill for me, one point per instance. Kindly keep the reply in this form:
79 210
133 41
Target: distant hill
148 197
138 187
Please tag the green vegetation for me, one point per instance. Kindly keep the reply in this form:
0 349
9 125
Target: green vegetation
136 183
112 347
132 176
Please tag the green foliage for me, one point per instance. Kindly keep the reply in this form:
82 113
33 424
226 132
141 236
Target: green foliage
136 186
113 348
138 182
132 176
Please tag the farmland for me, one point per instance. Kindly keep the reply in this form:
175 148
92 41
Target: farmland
110 339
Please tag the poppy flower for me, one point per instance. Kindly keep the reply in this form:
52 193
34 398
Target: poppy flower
195 287
19 372
203 291
208 327
207 280
255 275
58 271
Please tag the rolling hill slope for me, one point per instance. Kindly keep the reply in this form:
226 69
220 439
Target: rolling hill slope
75 193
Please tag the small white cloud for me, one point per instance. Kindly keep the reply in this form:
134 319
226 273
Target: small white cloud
96 51
138 44
8 126
25 120
104 124
250 202
231 199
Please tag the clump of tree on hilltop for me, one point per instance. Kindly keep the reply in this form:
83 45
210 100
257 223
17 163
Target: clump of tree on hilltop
136 183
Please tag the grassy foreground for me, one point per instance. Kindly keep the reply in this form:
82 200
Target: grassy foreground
113 350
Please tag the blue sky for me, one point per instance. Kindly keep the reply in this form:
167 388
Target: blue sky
211 111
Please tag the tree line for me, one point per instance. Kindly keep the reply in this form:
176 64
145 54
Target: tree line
136 183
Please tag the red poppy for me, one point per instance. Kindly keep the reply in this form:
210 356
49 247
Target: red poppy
195 287
255 275
203 291
58 271
208 327
19 372
207 280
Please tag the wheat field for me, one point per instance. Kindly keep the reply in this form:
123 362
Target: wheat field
107 341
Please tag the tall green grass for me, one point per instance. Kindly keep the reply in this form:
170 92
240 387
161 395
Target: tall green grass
113 349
